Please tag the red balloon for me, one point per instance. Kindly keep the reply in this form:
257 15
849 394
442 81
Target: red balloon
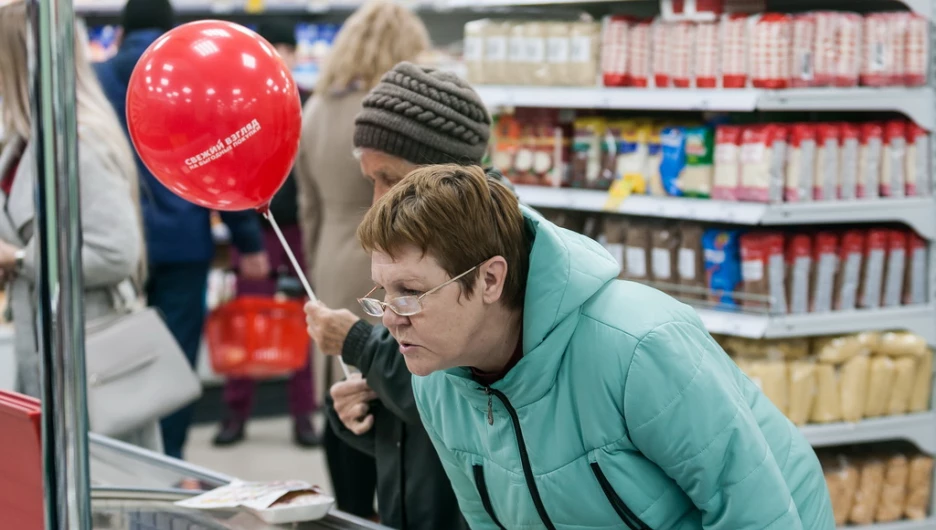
215 114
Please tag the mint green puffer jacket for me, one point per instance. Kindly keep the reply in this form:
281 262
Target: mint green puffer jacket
623 413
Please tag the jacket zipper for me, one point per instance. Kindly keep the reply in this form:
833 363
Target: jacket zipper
524 456
485 496
625 513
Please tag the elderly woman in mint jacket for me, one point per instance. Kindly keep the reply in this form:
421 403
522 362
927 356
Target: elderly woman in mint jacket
560 397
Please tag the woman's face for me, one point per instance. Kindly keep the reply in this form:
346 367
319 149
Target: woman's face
384 170
441 335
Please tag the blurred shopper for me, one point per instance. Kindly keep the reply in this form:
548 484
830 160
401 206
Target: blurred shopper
112 236
414 116
239 392
333 197
178 233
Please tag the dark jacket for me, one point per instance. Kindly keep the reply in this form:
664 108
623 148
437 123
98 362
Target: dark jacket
407 462
177 231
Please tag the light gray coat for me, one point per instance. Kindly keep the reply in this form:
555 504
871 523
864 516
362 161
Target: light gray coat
112 248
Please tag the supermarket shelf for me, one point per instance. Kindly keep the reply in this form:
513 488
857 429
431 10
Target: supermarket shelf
916 212
927 524
918 319
915 428
915 103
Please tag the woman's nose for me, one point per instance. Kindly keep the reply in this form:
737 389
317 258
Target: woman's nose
391 319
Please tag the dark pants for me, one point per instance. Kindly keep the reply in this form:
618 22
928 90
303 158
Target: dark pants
239 392
178 290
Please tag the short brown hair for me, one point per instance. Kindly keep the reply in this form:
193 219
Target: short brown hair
458 216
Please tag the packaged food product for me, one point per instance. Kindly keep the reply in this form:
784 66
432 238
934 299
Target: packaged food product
696 179
615 239
916 56
774 382
837 350
848 280
899 402
763 156
873 270
784 349
544 162
894 491
848 45
801 163
853 384
893 161
682 37
770 51
802 50
850 148
753 270
587 151
870 160
506 144
727 162
474 51
828 140
919 487
825 52
661 54
802 391
870 340
632 151
615 37
496 53
639 50
523 161
519 70
557 52
882 371
880 51
664 256
722 265
584 44
825 266
895 268
654 159
922 383
799 270
673 159
537 71
734 50
916 274
691 268
919 182
706 55
637 252
901 344
868 495
842 478
827 407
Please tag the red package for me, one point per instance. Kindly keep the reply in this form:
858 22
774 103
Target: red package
881 62
895 268
734 51
802 50
705 62
825 258
916 273
776 271
848 46
828 140
824 51
799 271
753 267
918 161
916 50
849 150
770 51
662 52
893 161
682 43
638 63
872 277
614 50
851 259
869 160
763 156
801 163
727 177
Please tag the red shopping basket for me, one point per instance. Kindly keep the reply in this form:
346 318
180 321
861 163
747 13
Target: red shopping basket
20 463
257 337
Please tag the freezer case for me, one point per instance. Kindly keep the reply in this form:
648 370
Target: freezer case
135 489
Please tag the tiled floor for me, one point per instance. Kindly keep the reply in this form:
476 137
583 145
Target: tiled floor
267 454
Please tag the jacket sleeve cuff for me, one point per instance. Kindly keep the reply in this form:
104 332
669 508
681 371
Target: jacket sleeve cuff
352 351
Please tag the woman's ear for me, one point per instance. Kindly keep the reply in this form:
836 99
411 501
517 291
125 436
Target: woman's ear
492 278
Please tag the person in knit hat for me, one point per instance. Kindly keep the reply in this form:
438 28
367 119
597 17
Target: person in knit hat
414 116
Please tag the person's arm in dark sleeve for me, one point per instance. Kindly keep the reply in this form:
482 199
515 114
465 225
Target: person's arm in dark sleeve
246 232
365 443
376 353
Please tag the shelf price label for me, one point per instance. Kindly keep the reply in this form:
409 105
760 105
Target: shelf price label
254 7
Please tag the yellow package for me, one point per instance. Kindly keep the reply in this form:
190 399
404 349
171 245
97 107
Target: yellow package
774 382
904 374
880 385
827 407
802 392
922 383
842 480
897 344
919 487
837 350
894 491
853 384
654 157
788 349
870 340
870 484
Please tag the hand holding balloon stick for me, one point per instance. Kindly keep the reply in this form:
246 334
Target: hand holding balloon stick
215 115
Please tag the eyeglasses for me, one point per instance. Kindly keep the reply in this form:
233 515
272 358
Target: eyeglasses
405 306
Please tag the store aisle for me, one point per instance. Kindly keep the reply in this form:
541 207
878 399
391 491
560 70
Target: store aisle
267 454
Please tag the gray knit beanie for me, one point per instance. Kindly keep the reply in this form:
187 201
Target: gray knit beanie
424 116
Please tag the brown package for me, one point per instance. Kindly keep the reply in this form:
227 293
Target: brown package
881 372
842 480
802 391
664 255
637 251
691 264
837 350
827 407
919 487
786 349
922 384
894 492
901 343
774 382
853 385
868 494
585 41
615 238
904 375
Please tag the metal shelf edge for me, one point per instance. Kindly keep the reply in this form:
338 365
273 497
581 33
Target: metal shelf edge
919 428
926 524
